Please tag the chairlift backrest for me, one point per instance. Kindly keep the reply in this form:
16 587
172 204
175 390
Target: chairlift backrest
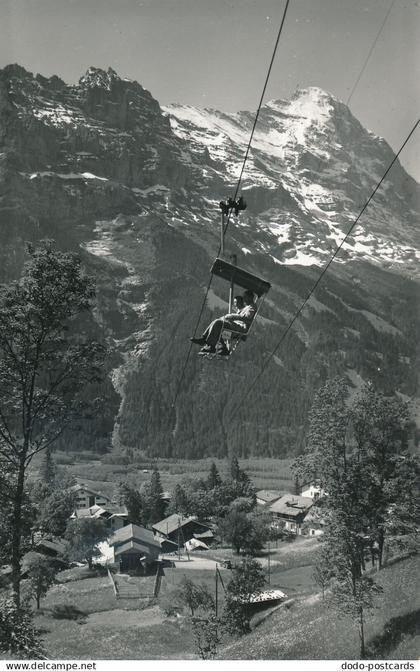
239 276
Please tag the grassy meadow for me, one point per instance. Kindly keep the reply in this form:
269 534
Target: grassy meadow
304 627
311 629
265 473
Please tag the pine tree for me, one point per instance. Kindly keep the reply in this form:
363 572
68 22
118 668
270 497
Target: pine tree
133 500
179 503
235 471
214 479
153 504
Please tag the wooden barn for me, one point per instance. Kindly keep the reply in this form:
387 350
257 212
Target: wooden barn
135 548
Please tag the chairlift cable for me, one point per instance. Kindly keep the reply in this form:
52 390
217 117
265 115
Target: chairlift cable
363 68
235 196
248 149
370 53
325 269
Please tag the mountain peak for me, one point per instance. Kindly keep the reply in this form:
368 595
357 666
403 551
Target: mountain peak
306 106
15 70
98 78
314 93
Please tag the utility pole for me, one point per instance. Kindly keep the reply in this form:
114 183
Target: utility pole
269 565
216 600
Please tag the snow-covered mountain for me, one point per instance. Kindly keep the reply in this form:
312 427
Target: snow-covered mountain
316 154
102 168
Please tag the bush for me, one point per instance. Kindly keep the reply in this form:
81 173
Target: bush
116 458
195 596
63 460
18 636
171 603
207 635
85 455
65 611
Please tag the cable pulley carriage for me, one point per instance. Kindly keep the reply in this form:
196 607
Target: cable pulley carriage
234 327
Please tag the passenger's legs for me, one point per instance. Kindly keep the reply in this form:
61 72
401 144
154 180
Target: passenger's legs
213 331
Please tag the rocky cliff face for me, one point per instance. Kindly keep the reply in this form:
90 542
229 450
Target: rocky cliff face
102 168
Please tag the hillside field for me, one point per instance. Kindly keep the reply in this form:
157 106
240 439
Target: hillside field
304 627
265 473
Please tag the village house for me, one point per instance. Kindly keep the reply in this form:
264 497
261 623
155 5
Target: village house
115 517
87 497
292 510
314 522
312 490
135 548
49 547
180 529
265 497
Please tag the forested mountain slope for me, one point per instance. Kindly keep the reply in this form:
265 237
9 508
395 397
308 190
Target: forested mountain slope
102 168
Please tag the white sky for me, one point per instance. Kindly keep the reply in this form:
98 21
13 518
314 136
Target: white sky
216 52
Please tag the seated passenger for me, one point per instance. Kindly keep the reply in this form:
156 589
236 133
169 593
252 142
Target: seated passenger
239 322
238 303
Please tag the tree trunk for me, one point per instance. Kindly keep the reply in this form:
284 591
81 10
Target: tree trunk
17 533
38 599
362 635
372 555
381 542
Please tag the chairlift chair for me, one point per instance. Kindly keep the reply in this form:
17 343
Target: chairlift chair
237 276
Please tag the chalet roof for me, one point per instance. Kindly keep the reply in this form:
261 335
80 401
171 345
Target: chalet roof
267 595
174 522
113 509
205 534
59 547
107 511
268 495
195 544
82 512
168 546
89 490
316 484
132 532
262 597
132 546
292 505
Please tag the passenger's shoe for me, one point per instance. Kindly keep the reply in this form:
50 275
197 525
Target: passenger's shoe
208 349
198 341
